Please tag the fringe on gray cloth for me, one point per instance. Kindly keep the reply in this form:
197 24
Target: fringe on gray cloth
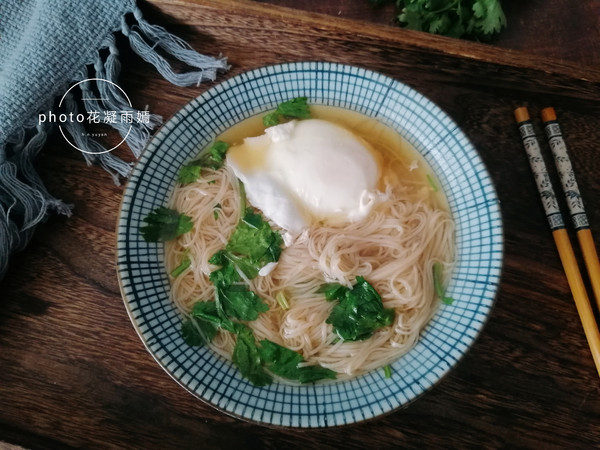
24 201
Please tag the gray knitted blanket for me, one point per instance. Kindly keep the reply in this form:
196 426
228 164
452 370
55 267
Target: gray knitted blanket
51 50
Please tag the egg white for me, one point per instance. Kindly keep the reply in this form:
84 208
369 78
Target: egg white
305 172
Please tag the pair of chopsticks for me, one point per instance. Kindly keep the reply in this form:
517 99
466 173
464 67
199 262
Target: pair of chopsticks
555 219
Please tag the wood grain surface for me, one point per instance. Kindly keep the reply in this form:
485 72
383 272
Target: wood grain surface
74 373
557 29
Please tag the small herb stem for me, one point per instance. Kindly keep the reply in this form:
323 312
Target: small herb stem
437 284
282 300
432 183
387 371
242 198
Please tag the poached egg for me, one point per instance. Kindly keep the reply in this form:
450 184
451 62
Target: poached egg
307 172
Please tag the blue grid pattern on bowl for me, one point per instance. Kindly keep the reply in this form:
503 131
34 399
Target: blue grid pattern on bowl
446 338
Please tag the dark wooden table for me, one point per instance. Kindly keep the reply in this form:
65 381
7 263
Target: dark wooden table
73 372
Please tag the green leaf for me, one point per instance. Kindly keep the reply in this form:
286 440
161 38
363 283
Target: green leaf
489 16
310 374
278 359
253 244
411 19
296 108
197 332
189 173
234 297
440 25
333 291
227 274
285 362
359 313
247 359
240 303
164 224
213 158
474 19
271 119
209 312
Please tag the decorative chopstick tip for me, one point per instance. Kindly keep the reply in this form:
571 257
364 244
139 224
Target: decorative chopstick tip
548 114
521 114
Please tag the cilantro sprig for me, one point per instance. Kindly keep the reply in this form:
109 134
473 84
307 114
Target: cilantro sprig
252 245
164 224
472 19
247 359
475 19
213 158
238 302
296 108
359 311
289 364
197 332
255 241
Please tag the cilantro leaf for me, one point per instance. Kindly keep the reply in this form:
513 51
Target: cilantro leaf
209 312
197 332
472 19
296 108
253 244
239 302
488 17
189 173
278 359
164 224
226 274
310 374
271 119
359 312
245 353
246 358
333 291
213 158
285 362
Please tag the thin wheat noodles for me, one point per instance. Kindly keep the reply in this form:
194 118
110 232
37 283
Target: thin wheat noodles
394 249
